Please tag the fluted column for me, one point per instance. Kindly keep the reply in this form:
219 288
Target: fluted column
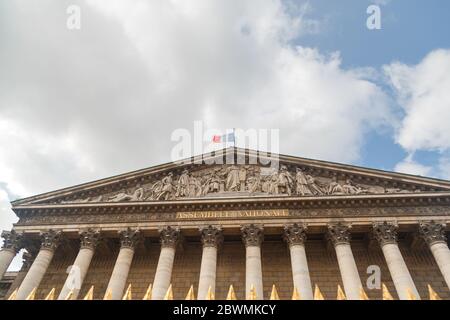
88 242
118 280
11 246
295 236
211 239
50 241
434 235
386 234
169 240
253 237
339 235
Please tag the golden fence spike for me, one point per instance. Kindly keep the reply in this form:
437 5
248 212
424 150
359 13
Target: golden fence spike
340 293
274 293
252 294
386 294
295 294
108 295
51 295
210 294
90 294
13 295
127 295
231 295
31 295
190 295
169 293
433 294
148 293
362 294
317 294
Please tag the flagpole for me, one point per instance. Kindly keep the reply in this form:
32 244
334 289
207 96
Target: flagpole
234 138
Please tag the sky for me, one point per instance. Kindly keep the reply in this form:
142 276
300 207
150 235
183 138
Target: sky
82 104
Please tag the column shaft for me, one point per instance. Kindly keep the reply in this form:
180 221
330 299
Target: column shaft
300 272
119 276
441 254
207 272
82 262
163 273
36 273
399 271
253 271
6 257
349 271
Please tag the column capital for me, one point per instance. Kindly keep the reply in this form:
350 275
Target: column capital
252 235
13 240
433 232
50 239
385 232
169 236
339 233
295 234
129 237
211 236
89 238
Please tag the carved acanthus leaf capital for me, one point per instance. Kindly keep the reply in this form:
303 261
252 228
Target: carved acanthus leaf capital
169 236
252 235
211 236
295 234
386 232
13 240
50 239
89 238
129 238
339 233
433 232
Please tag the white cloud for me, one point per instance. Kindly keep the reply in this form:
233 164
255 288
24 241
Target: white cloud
409 166
423 92
79 105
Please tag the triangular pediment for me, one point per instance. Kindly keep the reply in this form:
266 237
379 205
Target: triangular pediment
234 173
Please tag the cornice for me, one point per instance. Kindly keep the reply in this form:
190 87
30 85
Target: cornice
253 203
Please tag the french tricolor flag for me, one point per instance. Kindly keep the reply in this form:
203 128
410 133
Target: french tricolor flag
229 137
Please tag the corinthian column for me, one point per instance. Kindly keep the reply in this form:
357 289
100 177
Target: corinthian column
50 241
169 240
211 239
118 280
11 246
434 235
88 242
339 235
295 236
386 234
253 237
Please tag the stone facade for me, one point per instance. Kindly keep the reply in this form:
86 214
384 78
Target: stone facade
309 223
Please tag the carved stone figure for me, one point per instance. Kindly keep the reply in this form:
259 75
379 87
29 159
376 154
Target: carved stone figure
233 181
137 195
313 185
285 181
350 188
242 178
302 185
254 183
335 188
162 190
183 184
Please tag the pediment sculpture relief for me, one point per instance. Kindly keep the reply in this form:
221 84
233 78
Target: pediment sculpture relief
235 180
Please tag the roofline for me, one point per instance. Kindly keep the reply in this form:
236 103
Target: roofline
198 159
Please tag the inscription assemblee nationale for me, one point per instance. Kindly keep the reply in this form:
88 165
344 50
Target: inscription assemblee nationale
232 214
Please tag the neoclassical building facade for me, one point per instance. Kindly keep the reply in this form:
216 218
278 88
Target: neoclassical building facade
233 218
